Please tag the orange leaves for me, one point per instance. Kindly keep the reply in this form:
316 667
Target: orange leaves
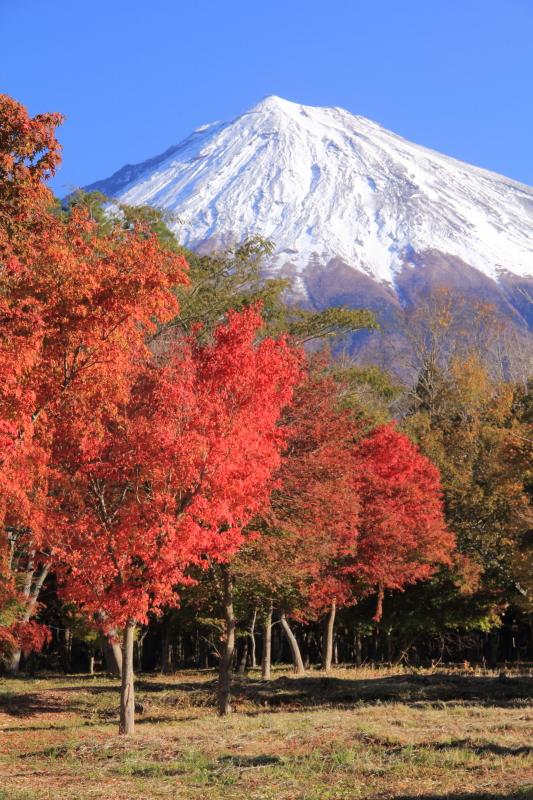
29 152
30 636
75 313
75 308
132 462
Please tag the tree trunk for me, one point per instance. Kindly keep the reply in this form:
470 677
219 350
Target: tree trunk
253 663
112 652
306 648
375 647
127 690
33 664
327 641
204 653
267 645
139 650
407 646
13 666
228 645
493 652
293 644
388 645
358 648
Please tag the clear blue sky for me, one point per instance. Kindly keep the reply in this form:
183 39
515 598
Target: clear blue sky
135 77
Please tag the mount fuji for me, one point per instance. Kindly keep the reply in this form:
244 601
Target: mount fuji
357 214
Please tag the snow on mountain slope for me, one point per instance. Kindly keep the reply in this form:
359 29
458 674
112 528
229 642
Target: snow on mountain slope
324 184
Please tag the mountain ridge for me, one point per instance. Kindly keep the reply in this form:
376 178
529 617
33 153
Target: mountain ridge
355 211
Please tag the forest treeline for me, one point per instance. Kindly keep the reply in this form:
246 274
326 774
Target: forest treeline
196 473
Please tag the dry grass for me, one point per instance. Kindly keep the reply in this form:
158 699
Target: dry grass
384 734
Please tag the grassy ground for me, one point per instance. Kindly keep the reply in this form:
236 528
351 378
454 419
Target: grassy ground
370 734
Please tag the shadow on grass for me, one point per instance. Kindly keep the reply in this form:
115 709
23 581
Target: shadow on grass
253 696
250 761
427 690
157 719
28 704
495 749
317 690
21 728
524 793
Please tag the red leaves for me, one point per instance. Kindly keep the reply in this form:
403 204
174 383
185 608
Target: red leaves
402 531
30 637
174 476
312 518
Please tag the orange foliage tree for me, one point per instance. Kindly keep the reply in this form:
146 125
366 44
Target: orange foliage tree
75 311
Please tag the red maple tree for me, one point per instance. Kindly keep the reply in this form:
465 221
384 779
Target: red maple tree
402 530
171 478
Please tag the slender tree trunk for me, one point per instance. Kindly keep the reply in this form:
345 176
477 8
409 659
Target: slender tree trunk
112 651
127 691
327 641
139 650
253 664
280 645
293 644
443 645
31 593
494 646
318 645
33 664
358 658
306 647
196 648
375 647
204 654
228 645
267 645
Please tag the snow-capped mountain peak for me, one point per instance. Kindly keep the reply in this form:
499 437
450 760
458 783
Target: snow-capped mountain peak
331 188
